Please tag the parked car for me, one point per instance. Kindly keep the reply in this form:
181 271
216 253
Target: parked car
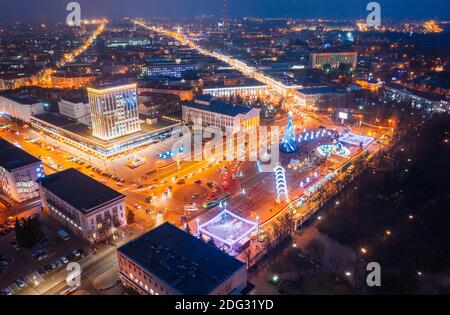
20 283
65 260
76 253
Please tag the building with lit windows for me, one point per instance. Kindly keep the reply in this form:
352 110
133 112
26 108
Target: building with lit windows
85 206
19 171
419 100
170 261
209 111
334 59
169 69
114 111
13 81
319 98
71 81
246 88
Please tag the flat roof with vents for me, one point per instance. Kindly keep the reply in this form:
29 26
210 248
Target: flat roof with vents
79 190
183 262
12 157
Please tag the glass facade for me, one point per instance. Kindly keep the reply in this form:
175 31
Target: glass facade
114 112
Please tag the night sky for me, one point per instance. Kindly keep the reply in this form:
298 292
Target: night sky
48 10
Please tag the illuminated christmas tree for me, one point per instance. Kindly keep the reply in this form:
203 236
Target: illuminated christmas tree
288 144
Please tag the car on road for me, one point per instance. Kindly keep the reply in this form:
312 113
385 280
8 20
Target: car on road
181 181
7 291
137 206
47 268
103 180
198 182
20 283
59 263
42 256
76 253
41 271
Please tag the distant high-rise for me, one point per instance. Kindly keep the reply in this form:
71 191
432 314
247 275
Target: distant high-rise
114 111
333 59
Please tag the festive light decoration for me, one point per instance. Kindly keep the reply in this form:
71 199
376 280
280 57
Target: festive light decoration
329 149
288 144
280 180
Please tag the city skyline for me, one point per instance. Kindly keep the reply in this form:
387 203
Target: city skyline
224 155
46 10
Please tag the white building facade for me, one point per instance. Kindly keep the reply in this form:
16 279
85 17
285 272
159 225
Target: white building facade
19 107
93 219
229 117
75 110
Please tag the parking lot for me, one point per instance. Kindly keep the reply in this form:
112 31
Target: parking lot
24 267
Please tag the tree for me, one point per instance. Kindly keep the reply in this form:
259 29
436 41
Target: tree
315 249
287 223
130 216
248 255
28 231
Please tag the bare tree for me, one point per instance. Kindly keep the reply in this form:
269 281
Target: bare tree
315 249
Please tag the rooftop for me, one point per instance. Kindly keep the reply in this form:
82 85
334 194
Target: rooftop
12 157
21 99
320 90
221 107
79 190
186 263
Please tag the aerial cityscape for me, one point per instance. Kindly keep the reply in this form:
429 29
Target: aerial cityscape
152 149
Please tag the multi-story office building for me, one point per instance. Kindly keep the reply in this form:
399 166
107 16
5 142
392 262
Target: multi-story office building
114 111
334 59
230 117
19 172
170 261
85 206
21 107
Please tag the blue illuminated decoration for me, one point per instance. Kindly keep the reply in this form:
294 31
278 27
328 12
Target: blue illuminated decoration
169 154
288 144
